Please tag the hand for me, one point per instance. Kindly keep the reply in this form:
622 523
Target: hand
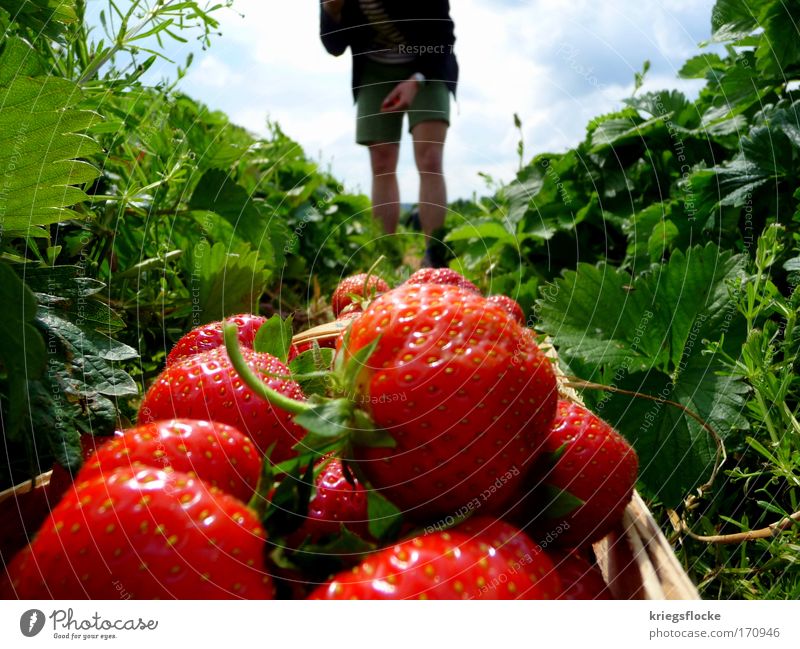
332 7
401 97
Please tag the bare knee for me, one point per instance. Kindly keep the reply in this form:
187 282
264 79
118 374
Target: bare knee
429 158
383 158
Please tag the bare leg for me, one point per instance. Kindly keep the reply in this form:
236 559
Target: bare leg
429 140
385 191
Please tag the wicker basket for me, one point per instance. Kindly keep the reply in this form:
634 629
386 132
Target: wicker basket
636 560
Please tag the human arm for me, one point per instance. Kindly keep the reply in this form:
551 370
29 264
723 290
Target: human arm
334 36
403 94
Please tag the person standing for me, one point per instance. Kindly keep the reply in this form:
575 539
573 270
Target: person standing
403 63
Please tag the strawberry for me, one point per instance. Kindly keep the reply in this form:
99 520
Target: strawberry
530 557
580 579
450 564
206 386
216 453
445 276
356 285
209 336
336 502
592 462
509 305
150 533
467 397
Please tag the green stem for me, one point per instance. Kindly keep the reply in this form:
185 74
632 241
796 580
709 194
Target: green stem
370 273
231 334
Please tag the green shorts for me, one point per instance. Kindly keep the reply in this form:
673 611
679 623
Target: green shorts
432 103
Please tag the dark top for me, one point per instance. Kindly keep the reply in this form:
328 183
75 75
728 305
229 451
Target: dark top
426 28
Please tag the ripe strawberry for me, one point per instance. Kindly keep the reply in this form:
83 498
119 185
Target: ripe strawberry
206 386
466 396
528 557
335 503
592 462
354 285
580 579
444 276
209 336
510 306
445 565
216 453
150 534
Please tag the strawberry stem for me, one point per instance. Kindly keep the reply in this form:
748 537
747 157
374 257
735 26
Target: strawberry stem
230 333
369 275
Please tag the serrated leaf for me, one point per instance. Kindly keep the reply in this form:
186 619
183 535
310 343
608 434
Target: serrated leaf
19 58
275 337
779 47
697 67
22 349
646 334
37 117
82 340
62 281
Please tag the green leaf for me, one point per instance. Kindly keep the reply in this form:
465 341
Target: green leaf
326 422
480 230
62 281
19 58
734 19
275 337
217 192
701 65
224 283
39 144
22 350
358 361
84 340
311 368
558 502
288 508
645 334
778 51
384 518
48 18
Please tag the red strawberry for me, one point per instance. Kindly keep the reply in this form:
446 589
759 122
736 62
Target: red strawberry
444 276
592 462
335 503
209 336
149 534
206 386
526 555
355 285
509 305
216 453
466 396
580 579
445 565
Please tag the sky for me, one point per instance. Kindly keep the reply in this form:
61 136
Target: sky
556 63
